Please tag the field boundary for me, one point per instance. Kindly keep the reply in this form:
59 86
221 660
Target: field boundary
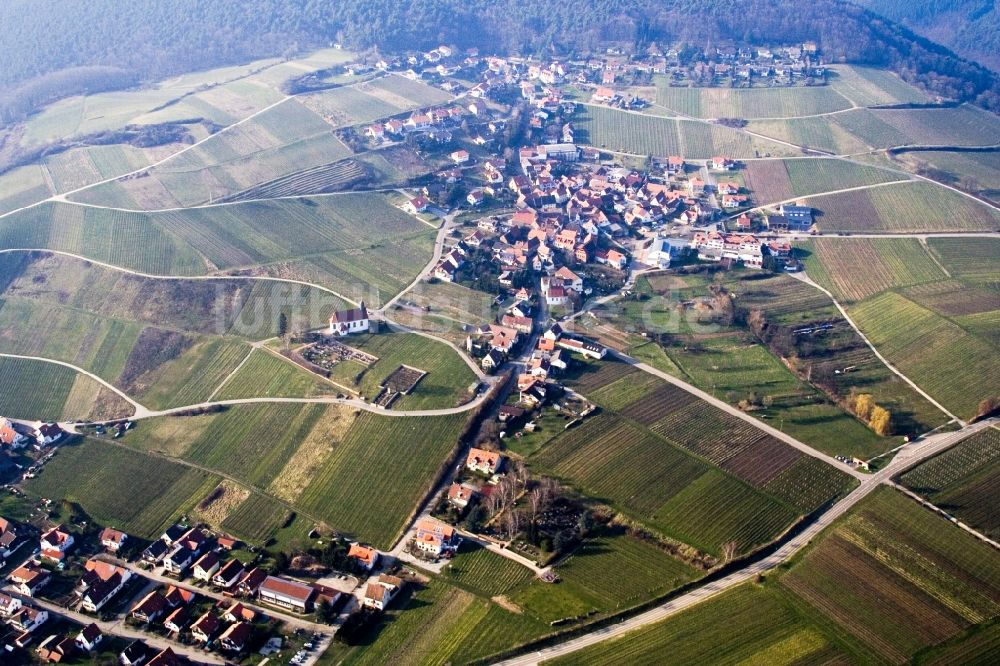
802 277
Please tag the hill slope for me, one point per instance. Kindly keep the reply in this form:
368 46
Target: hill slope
970 28
156 38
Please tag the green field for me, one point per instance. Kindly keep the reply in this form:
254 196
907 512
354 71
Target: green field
750 103
856 268
36 390
445 384
931 350
871 87
375 476
327 240
439 624
138 493
731 363
265 375
358 472
964 481
903 207
975 172
975 257
256 518
772 181
22 187
658 458
887 583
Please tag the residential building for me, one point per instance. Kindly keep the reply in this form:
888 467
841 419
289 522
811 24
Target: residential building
381 591
366 556
206 566
235 637
229 574
481 460
205 627
435 537
89 638
286 593
113 540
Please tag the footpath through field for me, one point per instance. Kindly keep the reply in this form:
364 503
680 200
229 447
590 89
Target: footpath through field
908 457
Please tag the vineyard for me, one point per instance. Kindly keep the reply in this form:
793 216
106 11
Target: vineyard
968 256
438 623
905 207
768 181
190 378
486 572
129 240
265 375
36 390
646 474
138 493
739 626
931 350
878 577
256 518
368 485
854 269
873 87
965 479
22 187
892 577
819 132
627 132
317 180
79 167
750 103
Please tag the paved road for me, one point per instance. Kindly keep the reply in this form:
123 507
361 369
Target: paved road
292 620
802 277
729 409
908 457
119 628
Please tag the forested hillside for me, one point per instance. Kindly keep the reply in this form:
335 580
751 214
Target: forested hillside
970 28
149 39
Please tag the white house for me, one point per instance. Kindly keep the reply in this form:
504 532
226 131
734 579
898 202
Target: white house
346 322
89 638
206 566
381 591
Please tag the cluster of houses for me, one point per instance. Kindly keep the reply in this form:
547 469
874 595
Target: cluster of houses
26 622
745 248
13 437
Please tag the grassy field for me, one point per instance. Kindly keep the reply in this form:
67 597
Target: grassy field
750 103
627 132
931 350
818 132
856 268
887 583
962 126
904 207
36 390
964 481
22 187
256 518
445 385
138 493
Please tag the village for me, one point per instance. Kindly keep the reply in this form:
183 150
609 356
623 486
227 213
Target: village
536 218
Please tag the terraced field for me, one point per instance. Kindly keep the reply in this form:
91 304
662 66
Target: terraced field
932 350
964 481
133 491
856 268
888 582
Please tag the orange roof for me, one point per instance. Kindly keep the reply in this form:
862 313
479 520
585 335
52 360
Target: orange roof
478 456
363 553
